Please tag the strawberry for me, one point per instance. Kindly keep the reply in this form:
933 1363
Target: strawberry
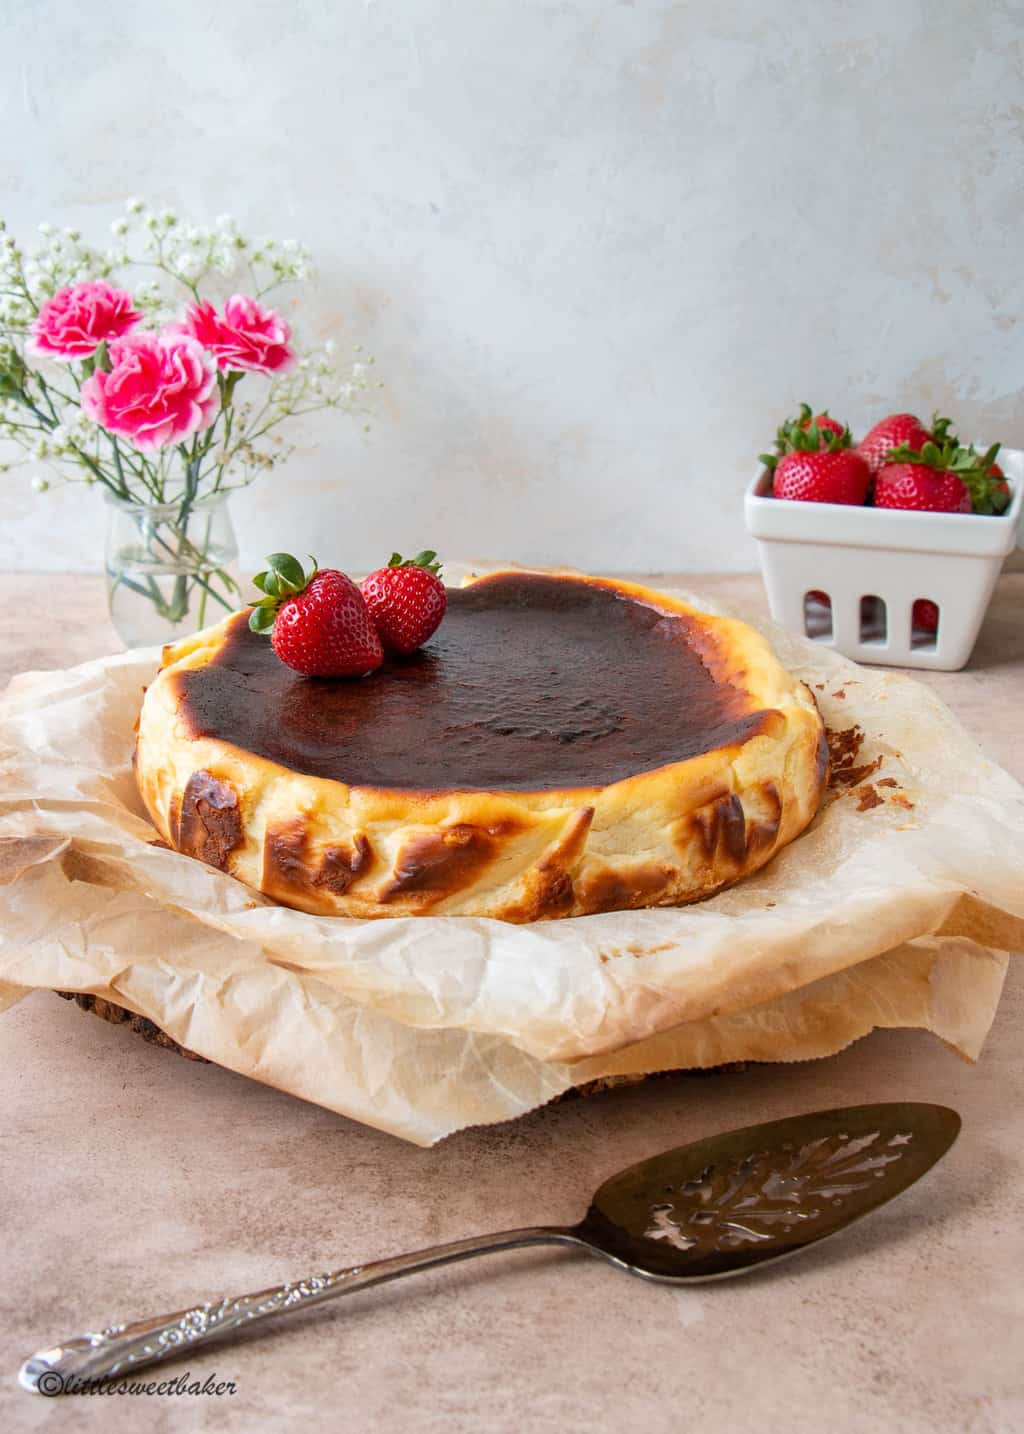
917 486
899 430
833 476
946 478
823 422
407 600
925 615
318 623
816 466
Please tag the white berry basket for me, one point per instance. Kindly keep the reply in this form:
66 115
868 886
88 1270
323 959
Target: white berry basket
875 563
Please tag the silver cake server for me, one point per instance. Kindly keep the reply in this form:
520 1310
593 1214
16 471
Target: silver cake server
721 1206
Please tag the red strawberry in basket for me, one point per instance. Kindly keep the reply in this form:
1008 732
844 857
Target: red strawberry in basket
812 465
921 481
823 422
318 624
831 476
946 478
407 600
899 430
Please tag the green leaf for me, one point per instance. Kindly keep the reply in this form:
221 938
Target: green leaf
260 581
990 456
261 619
289 572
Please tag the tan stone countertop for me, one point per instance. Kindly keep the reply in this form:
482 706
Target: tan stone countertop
135 1182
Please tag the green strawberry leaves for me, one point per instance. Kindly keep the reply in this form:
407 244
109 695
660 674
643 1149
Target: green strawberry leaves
261 619
285 576
803 435
427 559
282 579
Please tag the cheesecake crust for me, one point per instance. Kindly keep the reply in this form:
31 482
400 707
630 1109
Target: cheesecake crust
563 745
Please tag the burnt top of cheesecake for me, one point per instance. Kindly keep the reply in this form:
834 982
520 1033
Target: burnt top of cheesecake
530 683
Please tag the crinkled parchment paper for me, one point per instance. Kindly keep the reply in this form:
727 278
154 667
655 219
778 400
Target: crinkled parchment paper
896 908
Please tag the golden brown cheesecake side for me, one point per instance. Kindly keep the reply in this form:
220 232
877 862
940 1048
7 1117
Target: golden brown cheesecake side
563 745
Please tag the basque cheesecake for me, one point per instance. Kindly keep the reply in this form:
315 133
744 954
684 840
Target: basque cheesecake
562 745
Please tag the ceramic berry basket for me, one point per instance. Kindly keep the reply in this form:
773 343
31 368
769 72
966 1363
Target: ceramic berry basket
873 564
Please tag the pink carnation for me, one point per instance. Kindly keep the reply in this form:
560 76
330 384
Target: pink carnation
161 388
245 336
74 323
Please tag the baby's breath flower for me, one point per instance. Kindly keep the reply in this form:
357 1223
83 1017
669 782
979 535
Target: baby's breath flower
119 226
40 484
134 206
46 230
168 218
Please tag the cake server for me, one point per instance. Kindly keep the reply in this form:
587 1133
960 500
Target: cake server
722 1206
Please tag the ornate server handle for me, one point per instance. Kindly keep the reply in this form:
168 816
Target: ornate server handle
74 1362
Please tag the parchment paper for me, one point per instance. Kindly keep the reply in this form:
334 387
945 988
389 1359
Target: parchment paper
896 908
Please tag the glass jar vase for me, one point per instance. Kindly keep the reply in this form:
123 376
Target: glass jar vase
171 567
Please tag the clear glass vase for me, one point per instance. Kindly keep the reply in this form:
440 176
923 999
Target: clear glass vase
171 567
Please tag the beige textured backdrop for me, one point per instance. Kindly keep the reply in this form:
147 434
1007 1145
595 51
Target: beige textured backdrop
597 249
